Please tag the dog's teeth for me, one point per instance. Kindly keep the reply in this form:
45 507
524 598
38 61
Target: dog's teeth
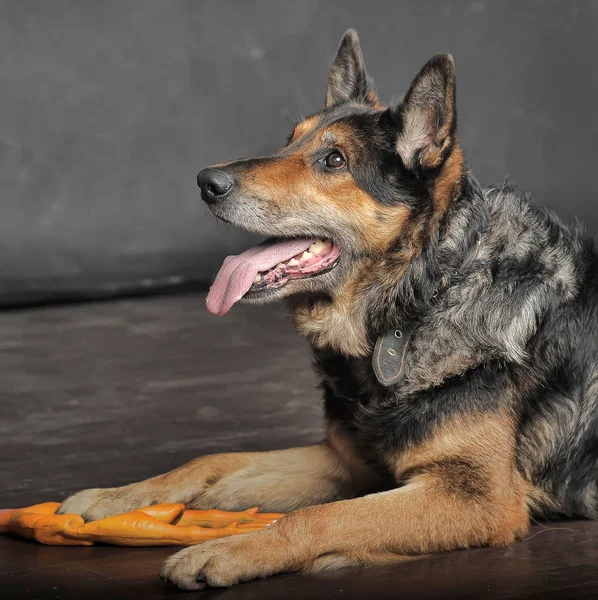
306 255
280 266
317 247
327 243
257 279
293 262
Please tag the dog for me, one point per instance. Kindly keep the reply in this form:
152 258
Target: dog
454 330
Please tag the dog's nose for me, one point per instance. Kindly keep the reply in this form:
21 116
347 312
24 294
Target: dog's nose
214 184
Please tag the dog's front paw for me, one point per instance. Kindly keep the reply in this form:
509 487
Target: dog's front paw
228 561
99 503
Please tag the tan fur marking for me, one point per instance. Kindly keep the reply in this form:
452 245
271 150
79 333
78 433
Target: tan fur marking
277 481
339 324
541 503
448 183
335 324
374 101
364 478
304 127
466 435
475 458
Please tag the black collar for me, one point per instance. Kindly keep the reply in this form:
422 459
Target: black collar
391 347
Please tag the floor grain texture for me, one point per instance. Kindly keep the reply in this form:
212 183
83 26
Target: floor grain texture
104 394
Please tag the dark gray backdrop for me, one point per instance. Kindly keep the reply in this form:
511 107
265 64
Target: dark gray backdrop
108 110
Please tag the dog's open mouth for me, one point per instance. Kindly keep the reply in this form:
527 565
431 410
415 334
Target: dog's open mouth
270 265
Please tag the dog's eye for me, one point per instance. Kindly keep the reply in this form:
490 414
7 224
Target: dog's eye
335 160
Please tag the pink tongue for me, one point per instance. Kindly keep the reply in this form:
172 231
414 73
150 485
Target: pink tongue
238 272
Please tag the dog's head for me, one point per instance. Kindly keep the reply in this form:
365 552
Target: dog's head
355 181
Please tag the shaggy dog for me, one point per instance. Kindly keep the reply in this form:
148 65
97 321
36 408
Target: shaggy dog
454 329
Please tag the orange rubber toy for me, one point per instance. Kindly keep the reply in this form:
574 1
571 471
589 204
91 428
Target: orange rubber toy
157 525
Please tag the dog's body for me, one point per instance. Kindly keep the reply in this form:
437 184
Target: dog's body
489 412
513 337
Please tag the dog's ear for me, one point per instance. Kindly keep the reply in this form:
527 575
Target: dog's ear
427 116
348 79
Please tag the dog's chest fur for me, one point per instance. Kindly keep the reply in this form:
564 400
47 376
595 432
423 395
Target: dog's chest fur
339 325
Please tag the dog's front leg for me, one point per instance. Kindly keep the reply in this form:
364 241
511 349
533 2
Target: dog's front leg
277 481
454 501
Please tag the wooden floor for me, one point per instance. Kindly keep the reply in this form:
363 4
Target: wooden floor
105 394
